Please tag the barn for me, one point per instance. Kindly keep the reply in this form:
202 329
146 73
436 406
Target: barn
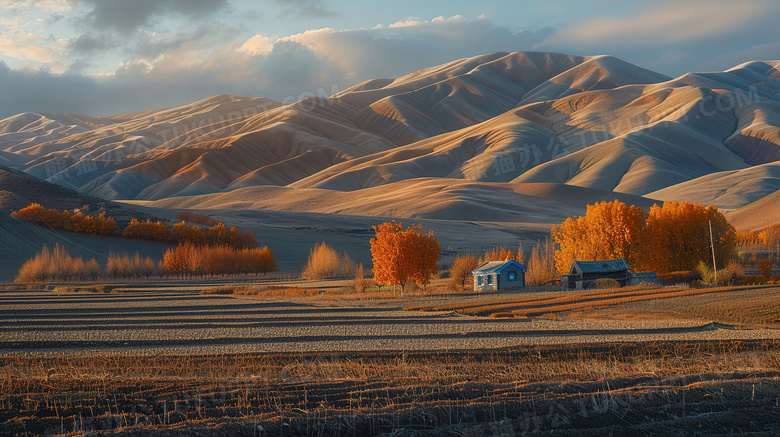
499 275
583 273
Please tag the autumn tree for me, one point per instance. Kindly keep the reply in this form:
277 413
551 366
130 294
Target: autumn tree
678 237
218 234
325 262
188 259
520 254
148 230
36 213
497 253
608 230
183 234
542 265
461 269
400 255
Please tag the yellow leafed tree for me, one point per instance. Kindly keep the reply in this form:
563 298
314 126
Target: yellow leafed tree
608 230
678 236
400 255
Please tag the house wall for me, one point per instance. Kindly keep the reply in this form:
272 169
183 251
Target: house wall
500 281
493 286
504 282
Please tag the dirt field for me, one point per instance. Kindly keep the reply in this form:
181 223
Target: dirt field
723 388
178 320
168 361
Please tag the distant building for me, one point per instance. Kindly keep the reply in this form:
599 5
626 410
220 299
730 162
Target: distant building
499 275
583 273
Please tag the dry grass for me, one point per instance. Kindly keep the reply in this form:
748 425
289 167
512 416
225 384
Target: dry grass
740 306
336 290
89 289
671 387
574 301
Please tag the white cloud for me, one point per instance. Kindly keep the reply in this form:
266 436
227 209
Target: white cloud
173 68
258 45
31 47
49 5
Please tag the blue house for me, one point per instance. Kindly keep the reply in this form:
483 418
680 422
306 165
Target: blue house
499 275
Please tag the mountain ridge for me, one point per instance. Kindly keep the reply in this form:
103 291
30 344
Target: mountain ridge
518 119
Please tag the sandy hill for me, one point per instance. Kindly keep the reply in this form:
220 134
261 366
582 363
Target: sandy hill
228 142
757 215
430 198
468 138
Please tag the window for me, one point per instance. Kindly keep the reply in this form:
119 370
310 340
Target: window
513 276
479 280
490 280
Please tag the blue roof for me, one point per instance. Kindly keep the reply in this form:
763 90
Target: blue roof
496 267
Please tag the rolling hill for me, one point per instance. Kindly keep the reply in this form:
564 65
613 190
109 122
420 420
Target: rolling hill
524 136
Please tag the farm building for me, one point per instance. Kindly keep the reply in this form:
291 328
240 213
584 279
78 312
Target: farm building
583 273
499 275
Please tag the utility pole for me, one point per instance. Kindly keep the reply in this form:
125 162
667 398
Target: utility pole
712 244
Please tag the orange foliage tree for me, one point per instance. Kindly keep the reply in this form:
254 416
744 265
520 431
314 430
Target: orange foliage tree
608 230
183 233
400 255
94 224
497 253
678 236
39 215
148 230
188 259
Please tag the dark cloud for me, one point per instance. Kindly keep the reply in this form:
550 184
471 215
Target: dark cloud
305 9
119 24
88 44
124 17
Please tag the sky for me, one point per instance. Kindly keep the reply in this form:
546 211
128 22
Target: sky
104 57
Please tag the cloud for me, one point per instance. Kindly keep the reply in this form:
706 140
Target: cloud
31 47
51 5
412 44
673 36
181 66
126 17
133 27
304 9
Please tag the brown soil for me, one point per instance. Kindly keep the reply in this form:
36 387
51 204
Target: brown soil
615 389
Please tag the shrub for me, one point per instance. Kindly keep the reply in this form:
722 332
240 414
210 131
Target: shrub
461 270
674 278
751 279
765 267
604 284
194 217
730 274
704 271
360 284
325 262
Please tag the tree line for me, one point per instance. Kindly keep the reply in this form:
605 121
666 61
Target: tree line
671 237
180 233
187 260
79 222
